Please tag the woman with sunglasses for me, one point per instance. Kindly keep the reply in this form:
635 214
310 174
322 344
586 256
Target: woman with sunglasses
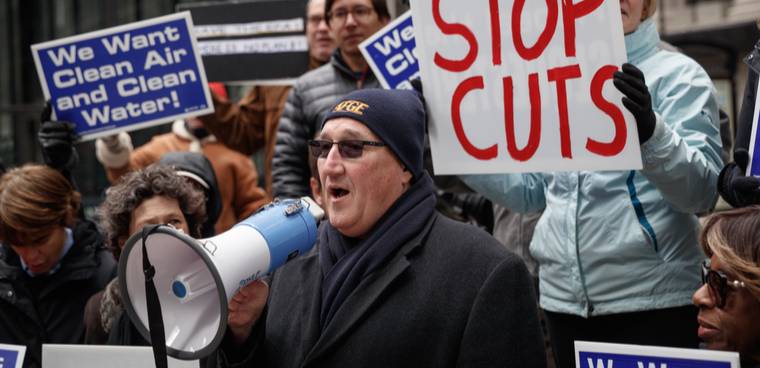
729 299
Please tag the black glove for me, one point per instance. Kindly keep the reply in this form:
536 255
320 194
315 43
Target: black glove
57 140
736 188
637 100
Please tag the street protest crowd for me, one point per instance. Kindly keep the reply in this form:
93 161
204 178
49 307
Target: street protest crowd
404 272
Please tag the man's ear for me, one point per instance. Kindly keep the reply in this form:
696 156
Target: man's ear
406 178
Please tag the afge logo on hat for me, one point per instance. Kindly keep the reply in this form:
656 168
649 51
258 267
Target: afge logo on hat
353 106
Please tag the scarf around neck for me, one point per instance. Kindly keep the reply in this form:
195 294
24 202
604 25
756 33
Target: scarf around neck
345 261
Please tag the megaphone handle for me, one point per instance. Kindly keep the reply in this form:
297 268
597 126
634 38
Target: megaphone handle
155 319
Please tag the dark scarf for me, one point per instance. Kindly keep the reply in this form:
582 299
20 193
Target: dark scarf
345 262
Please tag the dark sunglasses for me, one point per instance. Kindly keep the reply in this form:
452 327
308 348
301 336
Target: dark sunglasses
718 284
351 148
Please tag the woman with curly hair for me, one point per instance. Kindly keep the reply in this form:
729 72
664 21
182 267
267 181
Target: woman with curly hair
729 299
154 195
51 262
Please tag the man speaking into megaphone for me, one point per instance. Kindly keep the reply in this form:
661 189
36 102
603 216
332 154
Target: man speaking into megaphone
391 282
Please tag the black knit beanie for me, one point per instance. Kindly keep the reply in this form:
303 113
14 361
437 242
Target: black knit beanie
397 117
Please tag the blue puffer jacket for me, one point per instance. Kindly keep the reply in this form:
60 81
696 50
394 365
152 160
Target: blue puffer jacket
626 241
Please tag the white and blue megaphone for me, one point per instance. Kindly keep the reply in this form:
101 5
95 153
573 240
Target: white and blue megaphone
195 279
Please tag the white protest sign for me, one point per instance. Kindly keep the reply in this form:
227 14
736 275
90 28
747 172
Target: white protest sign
605 355
124 78
12 356
524 86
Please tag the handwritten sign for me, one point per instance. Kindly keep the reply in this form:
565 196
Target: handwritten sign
125 78
392 53
524 86
605 355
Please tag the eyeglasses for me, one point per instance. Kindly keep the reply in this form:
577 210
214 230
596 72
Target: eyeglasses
314 20
718 284
337 17
351 148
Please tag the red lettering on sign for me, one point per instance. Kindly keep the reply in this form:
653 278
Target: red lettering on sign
454 29
530 53
621 131
456 118
572 12
534 137
560 76
493 5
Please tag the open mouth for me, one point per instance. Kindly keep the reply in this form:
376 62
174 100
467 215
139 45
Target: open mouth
337 192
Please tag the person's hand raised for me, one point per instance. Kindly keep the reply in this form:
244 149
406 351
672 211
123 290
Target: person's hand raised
630 81
56 139
736 188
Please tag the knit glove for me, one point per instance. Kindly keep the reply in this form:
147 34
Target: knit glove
630 81
736 188
56 139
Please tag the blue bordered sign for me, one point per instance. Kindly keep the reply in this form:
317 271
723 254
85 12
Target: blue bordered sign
125 78
604 355
392 55
12 356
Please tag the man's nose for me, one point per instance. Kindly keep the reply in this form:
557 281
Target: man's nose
333 162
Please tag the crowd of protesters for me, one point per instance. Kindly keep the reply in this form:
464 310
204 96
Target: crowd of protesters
631 257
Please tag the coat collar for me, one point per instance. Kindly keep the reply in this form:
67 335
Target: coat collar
643 42
361 300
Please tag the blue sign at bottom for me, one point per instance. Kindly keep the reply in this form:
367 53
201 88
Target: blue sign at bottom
8 358
605 360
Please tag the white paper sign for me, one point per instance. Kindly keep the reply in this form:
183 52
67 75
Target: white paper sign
524 86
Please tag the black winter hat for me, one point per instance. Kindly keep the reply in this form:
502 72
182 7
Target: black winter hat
397 117
198 168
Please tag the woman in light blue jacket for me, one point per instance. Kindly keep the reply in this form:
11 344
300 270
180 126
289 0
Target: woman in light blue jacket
617 250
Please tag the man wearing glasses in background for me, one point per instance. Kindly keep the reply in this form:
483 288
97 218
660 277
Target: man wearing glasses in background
390 282
350 22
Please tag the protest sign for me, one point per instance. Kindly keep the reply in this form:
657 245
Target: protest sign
391 53
605 355
524 86
753 168
124 78
12 356
251 41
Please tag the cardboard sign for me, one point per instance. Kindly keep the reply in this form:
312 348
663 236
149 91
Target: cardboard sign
125 78
392 53
251 41
753 168
604 355
524 86
12 356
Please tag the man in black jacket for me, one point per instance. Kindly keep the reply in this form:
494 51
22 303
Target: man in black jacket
51 262
391 282
350 23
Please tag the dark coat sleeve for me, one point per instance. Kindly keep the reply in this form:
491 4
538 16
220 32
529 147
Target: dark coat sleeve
504 319
744 124
290 165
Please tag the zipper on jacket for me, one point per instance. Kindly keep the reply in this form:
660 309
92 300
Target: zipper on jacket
589 305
